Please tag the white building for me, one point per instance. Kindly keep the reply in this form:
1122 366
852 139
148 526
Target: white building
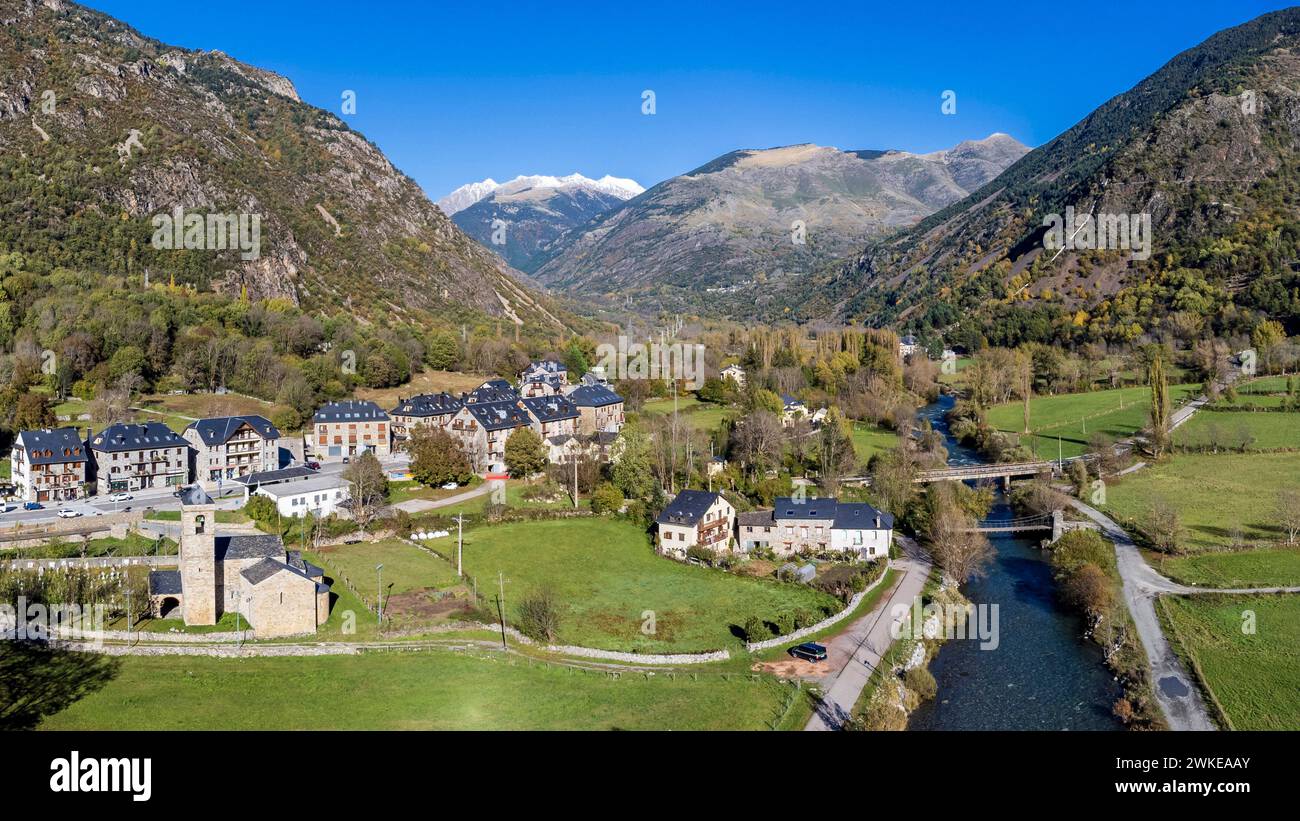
320 496
818 526
907 346
695 518
736 374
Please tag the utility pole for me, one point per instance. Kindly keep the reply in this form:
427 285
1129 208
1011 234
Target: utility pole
1060 461
379 572
575 481
501 599
460 531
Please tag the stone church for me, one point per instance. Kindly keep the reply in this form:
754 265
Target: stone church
274 589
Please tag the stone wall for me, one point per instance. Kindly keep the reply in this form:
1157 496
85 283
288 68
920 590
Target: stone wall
829 621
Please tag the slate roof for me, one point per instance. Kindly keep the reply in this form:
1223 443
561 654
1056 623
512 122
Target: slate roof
908 340
136 436
687 508
493 390
194 495
499 415
593 396
545 366
165 583
861 516
810 508
270 477
550 408
248 546
219 429
427 404
842 515
351 410
295 560
265 569
790 401
755 518
52 446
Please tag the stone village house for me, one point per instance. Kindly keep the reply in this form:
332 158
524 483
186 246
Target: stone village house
815 526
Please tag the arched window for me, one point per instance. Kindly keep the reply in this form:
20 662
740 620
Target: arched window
199 522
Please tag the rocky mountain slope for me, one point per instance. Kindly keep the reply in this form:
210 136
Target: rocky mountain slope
520 218
1206 151
753 216
102 130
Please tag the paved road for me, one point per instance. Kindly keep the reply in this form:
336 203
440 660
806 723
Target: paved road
421 505
861 646
232 498
1175 691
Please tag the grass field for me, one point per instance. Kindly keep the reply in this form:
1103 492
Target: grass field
1254 677
1213 493
1267 431
1267 567
609 581
514 499
704 416
868 440
1075 417
434 690
406 568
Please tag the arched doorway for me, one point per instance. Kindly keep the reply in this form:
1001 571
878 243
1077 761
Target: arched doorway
168 607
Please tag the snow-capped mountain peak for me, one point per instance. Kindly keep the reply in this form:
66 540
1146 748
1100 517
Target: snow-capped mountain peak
467 195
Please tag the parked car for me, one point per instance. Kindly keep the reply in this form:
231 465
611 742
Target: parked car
314 465
120 497
33 506
347 459
450 486
68 513
809 651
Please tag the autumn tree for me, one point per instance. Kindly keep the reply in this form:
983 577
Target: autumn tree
525 454
436 457
368 488
1159 407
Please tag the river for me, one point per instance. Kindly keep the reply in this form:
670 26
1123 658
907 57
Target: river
1042 674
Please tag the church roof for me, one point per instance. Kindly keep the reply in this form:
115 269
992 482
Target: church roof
249 546
164 582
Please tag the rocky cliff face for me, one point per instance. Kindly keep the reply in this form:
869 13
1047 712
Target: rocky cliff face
751 216
103 131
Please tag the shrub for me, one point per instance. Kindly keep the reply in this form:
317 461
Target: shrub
785 624
606 499
756 629
539 615
921 681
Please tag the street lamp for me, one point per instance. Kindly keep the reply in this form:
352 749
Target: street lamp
379 573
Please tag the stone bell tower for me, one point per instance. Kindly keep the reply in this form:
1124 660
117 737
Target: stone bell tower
198 556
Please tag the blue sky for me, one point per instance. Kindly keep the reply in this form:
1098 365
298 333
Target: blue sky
455 92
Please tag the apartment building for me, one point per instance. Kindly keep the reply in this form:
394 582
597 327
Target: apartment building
49 465
229 447
138 456
349 428
426 409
